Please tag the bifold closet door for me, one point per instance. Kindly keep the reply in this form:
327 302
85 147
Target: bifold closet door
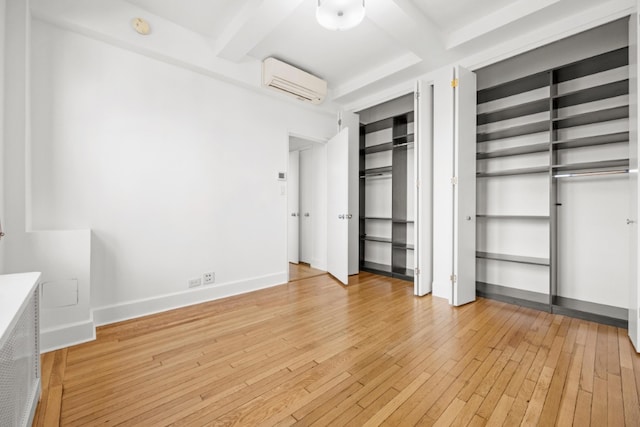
454 185
632 220
423 166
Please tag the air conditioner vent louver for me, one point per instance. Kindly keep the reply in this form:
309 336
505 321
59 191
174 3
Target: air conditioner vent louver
288 79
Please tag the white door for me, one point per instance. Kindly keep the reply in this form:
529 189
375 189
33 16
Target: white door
634 114
351 121
293 226
454 188
464 199
338 206
443 172
306 200
423 166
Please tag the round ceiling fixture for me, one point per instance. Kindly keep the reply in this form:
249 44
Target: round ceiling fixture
340 15
141 26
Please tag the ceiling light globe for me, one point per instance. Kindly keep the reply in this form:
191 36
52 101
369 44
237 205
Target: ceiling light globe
340 15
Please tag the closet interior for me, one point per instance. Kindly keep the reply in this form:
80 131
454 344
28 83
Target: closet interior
386 195
552 180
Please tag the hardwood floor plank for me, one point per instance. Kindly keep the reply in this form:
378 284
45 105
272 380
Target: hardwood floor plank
570 394
556 390
615 407
502 409
532 415
468 411
582 415
314 352
395 403
599 402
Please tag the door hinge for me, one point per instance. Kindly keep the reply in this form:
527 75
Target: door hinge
453 278
416 271
339 122
418 183
454 180
417 95
454 83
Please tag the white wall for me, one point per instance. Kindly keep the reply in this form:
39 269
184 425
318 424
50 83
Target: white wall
173 171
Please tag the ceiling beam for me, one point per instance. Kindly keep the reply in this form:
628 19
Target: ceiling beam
493 21
404 21
253 22
375 75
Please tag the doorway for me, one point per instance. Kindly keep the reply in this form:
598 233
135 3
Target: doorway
306 208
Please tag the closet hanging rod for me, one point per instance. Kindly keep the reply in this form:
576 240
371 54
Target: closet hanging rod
579 174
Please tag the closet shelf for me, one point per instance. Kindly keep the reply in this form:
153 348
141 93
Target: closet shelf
375 267
406 246
589 141
376 239
519 217
375 218
403 139
591 94
387 122
377 148
595 64
527 129
375 172
513 258
520 110
403 273
509 172
514 151
592 117
599 166
514 87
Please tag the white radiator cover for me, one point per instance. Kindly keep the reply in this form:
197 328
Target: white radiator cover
19 349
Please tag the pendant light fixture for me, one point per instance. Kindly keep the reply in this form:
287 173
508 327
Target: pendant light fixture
340 15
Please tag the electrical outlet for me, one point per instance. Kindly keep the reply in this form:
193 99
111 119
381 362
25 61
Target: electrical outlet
208 278
194 283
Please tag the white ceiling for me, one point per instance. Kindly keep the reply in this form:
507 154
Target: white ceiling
398 40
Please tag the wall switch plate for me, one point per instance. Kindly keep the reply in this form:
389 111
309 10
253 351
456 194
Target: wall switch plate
208 278
194 283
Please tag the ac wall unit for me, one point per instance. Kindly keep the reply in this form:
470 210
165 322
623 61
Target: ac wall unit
293 81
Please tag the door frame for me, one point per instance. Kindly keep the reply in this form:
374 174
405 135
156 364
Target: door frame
283 184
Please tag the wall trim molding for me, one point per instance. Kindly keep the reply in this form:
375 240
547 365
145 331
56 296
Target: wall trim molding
67 335
143 307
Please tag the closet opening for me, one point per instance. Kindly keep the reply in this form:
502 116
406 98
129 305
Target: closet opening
387 190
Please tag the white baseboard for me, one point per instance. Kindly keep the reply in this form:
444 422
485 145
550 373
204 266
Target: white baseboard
78 333
144 307
67 335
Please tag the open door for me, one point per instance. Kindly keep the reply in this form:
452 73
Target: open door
464 189
293 194
634 116
454 185
338 206
423 166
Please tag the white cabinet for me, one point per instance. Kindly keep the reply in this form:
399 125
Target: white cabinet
19 349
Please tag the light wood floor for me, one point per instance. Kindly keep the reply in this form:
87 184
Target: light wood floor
314 352
302 271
